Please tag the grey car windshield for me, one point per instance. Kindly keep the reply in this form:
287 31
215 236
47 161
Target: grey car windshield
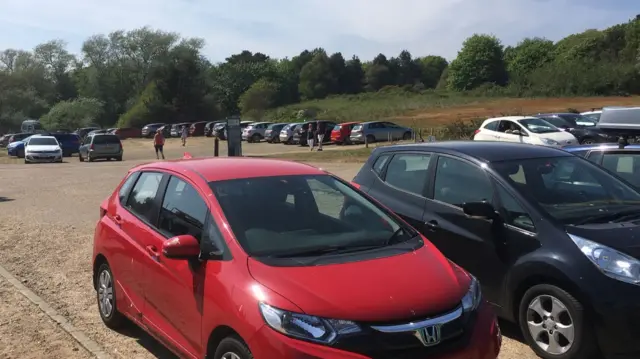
569 188
274 215
42 141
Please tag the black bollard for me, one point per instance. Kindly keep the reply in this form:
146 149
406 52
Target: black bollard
216 147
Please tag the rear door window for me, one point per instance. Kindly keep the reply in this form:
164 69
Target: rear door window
492 126
142 197
625 165
409 172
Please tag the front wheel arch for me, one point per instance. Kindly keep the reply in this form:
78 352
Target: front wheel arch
216 337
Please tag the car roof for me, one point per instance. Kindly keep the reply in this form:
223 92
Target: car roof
348 123
556 114
228 168
601 146
485 151
509 118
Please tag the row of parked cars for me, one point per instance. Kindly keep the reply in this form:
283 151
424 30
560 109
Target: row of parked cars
409 260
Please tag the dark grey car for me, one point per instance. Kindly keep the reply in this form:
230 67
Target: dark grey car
101 146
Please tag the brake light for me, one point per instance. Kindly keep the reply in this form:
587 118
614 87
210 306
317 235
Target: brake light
355 185
91 147
476 132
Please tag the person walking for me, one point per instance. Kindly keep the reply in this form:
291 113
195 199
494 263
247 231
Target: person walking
184 135
158 144
311 135
322 129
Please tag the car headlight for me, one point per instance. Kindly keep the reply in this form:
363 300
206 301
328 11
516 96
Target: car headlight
307 327
471 301
549 142
611 262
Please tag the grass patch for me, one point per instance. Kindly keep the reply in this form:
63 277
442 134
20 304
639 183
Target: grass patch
346 156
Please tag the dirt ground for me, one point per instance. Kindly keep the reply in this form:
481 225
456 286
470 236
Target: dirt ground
510 106
47 217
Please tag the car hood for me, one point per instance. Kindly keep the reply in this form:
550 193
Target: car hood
415 284
562 137
624 236
43 148
15 143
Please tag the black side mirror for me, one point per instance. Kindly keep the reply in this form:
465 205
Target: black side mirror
479 210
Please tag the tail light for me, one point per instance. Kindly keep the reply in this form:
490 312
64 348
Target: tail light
476 132
91 147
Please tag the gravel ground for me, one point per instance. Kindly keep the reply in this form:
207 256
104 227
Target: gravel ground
47 216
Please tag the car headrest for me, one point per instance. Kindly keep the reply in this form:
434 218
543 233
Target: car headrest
398 165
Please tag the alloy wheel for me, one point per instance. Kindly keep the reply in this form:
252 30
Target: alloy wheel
230 355
105 293
550 324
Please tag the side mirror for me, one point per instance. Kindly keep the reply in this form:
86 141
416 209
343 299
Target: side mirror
479 210
181 247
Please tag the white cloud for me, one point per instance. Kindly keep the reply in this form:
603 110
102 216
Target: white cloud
285 27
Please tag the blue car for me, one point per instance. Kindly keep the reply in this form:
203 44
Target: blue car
69 142
16 148
624 162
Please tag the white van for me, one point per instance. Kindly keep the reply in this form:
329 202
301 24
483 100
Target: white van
523 129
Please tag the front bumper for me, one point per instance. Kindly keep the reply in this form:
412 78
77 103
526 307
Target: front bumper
43 157
483 342
357 138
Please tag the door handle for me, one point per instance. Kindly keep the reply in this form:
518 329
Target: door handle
153 252
117 219
432 225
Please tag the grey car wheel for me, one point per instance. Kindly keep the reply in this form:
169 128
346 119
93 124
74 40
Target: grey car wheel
550 324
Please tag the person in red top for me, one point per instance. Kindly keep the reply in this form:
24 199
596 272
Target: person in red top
158 143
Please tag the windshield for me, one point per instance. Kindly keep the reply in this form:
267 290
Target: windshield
272 216
356 128
43 141
578 119
569 188
537 125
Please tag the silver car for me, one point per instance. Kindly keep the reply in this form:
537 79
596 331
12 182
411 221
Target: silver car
286 134
255 131
379 131
101 147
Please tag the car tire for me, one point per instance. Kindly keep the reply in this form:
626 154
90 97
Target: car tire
119 158
90 159
371 139
406 136
544 299
80 158
256 138
106 297
26 162
232 348
587 141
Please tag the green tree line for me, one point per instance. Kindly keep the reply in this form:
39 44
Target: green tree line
129 78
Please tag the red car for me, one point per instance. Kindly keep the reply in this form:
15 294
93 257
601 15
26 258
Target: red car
341 132
256 258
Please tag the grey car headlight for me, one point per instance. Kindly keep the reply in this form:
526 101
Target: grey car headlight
471 301
307 327
611 262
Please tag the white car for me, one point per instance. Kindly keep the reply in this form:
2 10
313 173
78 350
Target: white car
523 129
42 149
593 115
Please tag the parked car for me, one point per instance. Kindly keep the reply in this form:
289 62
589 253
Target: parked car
127 132
97 132
286 134
523 129
220 130
40 148
101 146
19 136
176 129
69 142
82 132
150 130
16 148
551 237
341 133
208 128
594 114
624 162
300 135
620 121
255 132
379 131
197 128
581 127
4 139
269 259
272 133
166 130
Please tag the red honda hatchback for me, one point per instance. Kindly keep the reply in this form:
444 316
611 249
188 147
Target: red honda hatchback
252 258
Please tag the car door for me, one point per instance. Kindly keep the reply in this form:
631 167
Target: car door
400 182
134 216
467 241
173 288
508 137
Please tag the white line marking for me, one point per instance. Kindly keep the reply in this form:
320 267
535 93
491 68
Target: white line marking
87 343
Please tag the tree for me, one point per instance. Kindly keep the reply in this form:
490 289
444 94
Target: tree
258 98
479 61
72 114
353 76
431 68
316 78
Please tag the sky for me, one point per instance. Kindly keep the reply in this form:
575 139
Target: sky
283 28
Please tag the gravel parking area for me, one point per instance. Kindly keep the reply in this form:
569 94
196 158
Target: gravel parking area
47 218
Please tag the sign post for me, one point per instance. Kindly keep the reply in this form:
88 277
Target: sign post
234 137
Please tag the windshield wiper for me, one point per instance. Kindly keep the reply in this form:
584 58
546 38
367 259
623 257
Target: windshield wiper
619 216
314 252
